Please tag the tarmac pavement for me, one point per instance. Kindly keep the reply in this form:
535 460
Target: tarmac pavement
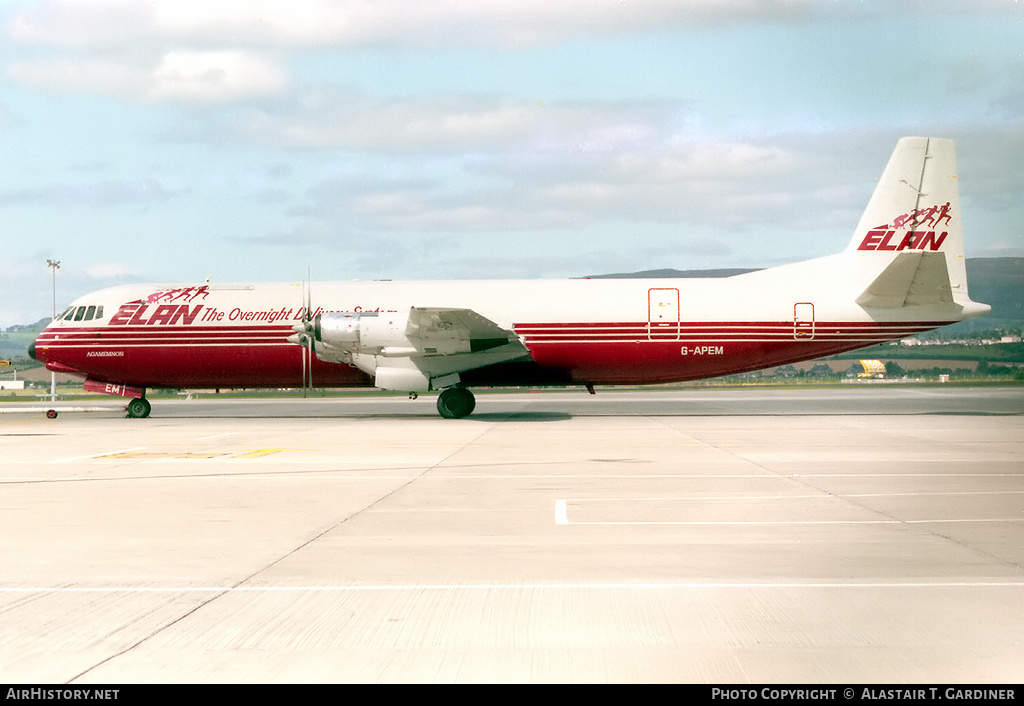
841 535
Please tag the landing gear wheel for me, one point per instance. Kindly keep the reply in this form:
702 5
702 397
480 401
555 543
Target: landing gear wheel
51 414
456 403
139 408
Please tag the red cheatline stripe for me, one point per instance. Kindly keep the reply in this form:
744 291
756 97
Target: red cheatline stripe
181 336
168 331
578 332
727 324
179 327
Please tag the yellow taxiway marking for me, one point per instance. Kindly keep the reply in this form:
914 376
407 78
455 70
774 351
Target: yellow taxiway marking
99 455
242 454
256 453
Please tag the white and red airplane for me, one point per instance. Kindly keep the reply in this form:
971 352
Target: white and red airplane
902 273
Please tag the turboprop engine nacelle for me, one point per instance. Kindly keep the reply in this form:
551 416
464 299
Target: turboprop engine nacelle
361 332
379 345
341 330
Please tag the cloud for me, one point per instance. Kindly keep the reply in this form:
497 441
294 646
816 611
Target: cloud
105 24
215 76
223 51
110 271
7 119
332 118
115 192
708 182
204 77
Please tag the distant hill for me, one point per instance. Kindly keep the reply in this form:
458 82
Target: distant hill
15 346
14 340
29 328
690 274
997 281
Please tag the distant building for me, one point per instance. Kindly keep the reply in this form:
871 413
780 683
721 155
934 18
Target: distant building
872 369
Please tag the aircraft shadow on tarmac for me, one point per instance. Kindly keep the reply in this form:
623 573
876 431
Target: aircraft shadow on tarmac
556 416
493 417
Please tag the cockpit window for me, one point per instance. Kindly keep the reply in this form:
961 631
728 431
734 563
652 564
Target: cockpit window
81 313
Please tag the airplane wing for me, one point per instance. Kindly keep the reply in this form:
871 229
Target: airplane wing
425 349
444 342
441 331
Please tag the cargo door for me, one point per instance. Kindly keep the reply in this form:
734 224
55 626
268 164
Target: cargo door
803 320
663 314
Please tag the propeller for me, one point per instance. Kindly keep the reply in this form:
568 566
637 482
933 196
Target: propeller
305 335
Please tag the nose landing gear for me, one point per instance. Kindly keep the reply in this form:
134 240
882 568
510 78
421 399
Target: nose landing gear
139 408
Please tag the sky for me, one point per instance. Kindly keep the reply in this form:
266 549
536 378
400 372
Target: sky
174 141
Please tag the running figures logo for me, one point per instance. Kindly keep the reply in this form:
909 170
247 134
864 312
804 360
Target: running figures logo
903 233
181 294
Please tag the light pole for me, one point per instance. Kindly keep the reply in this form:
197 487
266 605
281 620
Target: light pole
54 265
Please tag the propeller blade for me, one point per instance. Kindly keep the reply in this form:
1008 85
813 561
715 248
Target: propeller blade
301 330
309 323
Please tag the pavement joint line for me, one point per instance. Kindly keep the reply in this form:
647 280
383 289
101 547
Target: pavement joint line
240 584
819 496
686 585
794 522
321 474
561 514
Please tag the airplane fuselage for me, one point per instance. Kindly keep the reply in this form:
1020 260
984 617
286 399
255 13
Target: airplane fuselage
596 331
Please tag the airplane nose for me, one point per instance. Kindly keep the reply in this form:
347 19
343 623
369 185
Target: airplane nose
32 350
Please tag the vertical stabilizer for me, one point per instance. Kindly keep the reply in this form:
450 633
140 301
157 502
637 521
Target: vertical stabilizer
915 211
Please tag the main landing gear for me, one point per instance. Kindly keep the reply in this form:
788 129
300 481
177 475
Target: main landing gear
456 403
139 408
452 403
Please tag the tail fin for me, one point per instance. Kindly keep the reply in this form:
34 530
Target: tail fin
910 238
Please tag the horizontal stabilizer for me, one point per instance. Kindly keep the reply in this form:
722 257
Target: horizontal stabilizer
911 279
